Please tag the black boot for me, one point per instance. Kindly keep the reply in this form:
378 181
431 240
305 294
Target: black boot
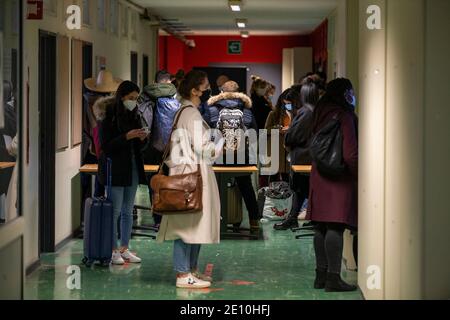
321 279
290 222
335 283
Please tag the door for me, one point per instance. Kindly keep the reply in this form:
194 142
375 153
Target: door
47 114
145 74
134 67
238 75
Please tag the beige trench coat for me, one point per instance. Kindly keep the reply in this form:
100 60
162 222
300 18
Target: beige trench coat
202 227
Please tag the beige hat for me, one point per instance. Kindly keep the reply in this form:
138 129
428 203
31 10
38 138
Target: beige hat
105 82
230 86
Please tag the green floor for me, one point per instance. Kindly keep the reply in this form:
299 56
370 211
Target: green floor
278 267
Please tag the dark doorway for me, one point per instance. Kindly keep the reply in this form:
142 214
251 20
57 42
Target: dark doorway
134 67
238 75
145 75
87 60
47 114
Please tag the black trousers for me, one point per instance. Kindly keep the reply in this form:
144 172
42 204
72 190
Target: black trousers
248 194
300 186
328 246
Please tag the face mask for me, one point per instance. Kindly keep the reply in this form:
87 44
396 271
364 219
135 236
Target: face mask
353 103
130 104
205 96
288 106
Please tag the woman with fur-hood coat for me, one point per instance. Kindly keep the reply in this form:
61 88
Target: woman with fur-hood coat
231 100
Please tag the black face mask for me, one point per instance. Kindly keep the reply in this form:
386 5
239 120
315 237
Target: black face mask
205 96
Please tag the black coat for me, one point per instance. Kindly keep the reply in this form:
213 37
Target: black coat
116 147
298 137
261 109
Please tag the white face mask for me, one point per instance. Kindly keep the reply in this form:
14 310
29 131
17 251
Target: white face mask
130 104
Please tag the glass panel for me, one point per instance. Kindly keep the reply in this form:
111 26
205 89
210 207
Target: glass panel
101 14
124 20
86 12
9 95
114 17
50 7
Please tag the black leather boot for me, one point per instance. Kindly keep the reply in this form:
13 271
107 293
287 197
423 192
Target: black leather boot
321 279
290 222
335 283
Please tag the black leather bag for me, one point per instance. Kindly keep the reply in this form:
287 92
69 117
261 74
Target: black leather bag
327 150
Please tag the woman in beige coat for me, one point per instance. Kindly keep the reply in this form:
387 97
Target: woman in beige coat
191 145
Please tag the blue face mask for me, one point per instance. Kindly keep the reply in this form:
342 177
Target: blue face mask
354 101
288 106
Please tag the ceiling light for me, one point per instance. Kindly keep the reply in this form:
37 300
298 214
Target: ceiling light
244 34
235 5
241 23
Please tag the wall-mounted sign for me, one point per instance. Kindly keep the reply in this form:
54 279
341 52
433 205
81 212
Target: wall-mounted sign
234 47
35 9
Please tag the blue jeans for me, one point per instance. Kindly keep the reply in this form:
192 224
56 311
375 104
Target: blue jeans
185 256
123 204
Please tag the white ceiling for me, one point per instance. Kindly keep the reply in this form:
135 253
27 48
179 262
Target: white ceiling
264 16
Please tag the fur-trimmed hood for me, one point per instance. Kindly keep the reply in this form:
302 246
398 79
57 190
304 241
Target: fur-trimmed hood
101 105
231 96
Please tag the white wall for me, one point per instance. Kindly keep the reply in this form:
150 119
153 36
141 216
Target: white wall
404 150
117 52
372 139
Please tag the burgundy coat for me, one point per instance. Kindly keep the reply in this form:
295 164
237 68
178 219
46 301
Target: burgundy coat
337 200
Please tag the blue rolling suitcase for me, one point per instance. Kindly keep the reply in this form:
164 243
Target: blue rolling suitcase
98 227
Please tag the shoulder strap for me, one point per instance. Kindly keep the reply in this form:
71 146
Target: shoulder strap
175 123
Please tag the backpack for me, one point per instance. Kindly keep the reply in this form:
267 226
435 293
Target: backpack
229 123
158 116
231 126
327 150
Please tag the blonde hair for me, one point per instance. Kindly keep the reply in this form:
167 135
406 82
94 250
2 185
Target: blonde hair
258 83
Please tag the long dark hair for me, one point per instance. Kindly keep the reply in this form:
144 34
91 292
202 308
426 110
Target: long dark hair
126 120
193 80
309 93
291 95
334 97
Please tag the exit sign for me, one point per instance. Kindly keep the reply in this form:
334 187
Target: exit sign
234 47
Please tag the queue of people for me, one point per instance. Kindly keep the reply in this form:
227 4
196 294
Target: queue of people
136 127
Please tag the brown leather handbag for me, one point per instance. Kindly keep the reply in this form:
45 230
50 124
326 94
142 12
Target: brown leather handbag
178 194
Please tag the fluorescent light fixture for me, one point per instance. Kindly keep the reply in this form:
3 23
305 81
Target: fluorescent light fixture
241 23
235 5
244 34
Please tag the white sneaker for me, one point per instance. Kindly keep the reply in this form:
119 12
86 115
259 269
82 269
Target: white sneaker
191 282
129 257
117 258
302 215
202 276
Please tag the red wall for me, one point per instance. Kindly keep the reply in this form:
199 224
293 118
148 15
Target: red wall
174 55
213 49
